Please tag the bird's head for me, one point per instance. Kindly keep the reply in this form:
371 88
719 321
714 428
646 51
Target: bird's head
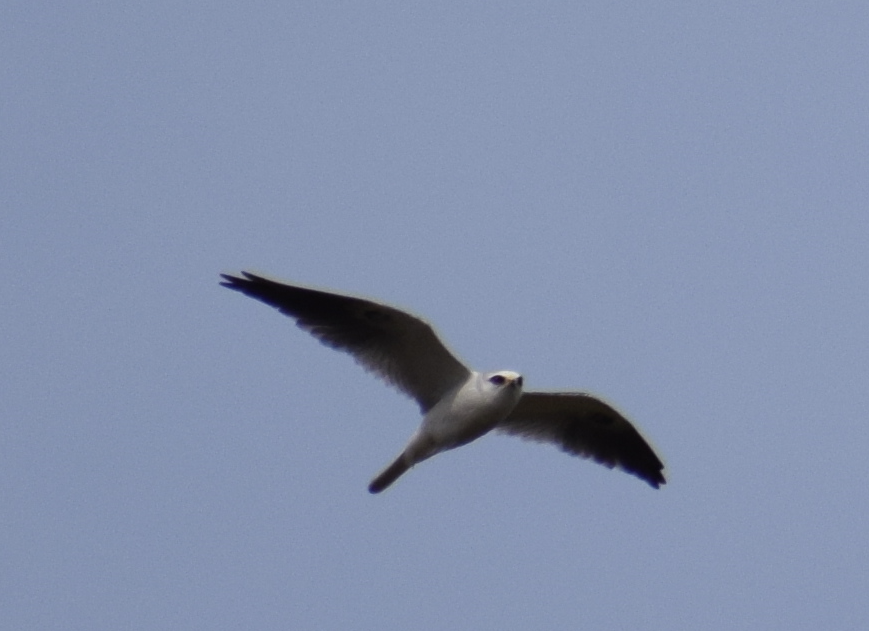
505 381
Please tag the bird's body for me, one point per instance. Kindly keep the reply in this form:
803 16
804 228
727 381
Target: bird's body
473 409
466 413
458 405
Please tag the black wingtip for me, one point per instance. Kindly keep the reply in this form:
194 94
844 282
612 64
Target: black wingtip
655 479
238 283
231 281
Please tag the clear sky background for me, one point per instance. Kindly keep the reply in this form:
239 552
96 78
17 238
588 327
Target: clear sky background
661 203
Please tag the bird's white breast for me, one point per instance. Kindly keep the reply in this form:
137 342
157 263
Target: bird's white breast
468 412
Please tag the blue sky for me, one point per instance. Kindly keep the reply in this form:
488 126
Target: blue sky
659 203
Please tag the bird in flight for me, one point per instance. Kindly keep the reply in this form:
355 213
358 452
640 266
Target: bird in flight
458 404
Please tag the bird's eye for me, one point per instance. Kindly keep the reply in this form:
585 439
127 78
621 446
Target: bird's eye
498 380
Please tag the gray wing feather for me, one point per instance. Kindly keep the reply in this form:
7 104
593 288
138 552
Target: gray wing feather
400 348
585 426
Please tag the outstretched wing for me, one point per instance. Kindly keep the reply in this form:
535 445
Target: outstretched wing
584 426
398 347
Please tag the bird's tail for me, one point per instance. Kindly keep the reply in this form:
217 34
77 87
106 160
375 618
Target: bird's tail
389 475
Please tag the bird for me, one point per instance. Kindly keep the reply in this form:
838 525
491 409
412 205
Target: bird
458 404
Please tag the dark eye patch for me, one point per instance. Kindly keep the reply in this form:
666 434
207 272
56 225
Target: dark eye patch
498 380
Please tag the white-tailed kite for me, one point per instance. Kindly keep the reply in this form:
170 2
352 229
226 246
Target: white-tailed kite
458 404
